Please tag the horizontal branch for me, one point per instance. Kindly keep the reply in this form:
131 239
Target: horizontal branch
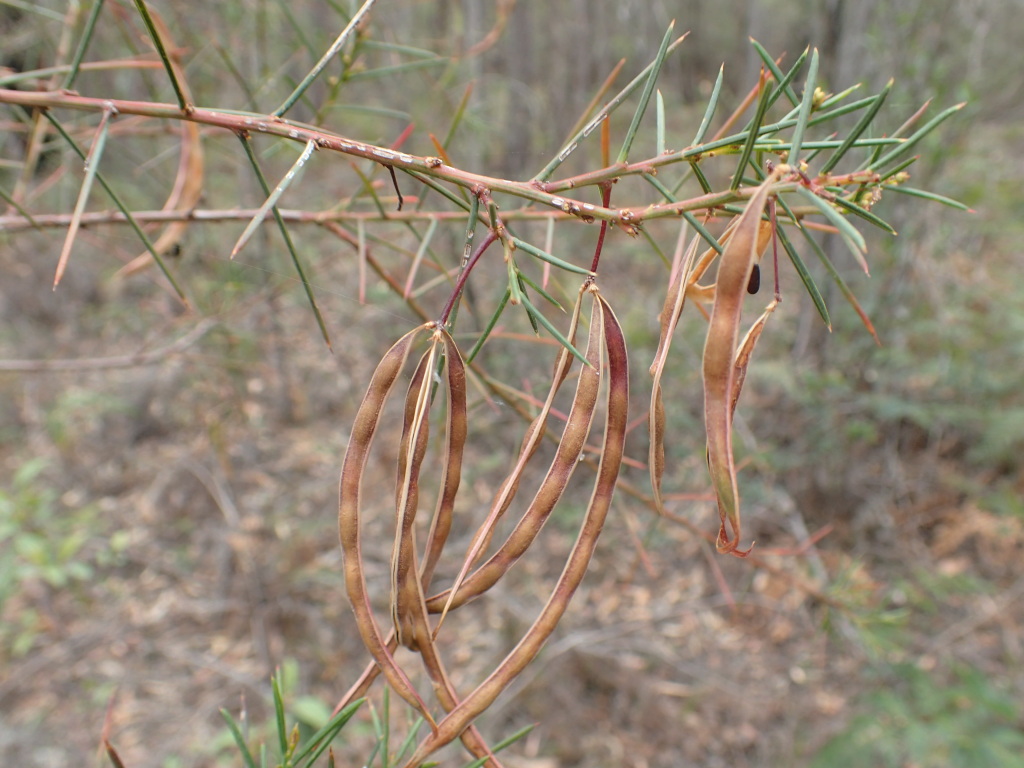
17 223
245 122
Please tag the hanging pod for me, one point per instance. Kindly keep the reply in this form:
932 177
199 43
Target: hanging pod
722 379
613 369
567 456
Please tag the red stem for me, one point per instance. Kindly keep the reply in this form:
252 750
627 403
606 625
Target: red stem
606 196
464 275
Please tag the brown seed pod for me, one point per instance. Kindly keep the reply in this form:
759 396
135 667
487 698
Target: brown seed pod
615 368
459 593
363 429
720 375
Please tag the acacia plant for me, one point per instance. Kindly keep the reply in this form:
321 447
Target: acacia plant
781 168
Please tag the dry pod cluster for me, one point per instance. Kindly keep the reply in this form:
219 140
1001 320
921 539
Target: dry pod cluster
771 192
412 568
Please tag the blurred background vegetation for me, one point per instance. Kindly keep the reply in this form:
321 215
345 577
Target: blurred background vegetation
167 531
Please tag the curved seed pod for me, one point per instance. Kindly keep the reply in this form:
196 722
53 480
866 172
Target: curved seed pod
412 626
507 493
706 293
425 645
456 428
471 737
674 301
526 650
683 286
570 448
363 428
406 587
745 350
719 358
415 617
694 290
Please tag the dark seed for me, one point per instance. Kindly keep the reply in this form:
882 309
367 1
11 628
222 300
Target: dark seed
755 280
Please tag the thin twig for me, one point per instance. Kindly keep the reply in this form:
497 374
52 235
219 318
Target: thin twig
17 223
106 363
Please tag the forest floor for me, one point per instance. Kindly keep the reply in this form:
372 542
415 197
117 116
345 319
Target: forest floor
187 548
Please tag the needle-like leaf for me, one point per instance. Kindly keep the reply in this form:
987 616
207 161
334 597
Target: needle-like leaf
607 109
783 83
659 104
805 110
336 46
83 44
151 27
92 162
854 240
503 744
774 69
122 208
306 286
395 69
933 196
322 739
841 284
493 321
540 289
18 207
272 198
418 258
594 101
752 133
645 97
236 734
282 728
858 129
863 213
898 168
923 131
553 260
537 315
801 268
709 112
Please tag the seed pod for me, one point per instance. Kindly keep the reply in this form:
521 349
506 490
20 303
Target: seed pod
406 587
719 369
617 405
673 308
363 429
570 449
444 601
